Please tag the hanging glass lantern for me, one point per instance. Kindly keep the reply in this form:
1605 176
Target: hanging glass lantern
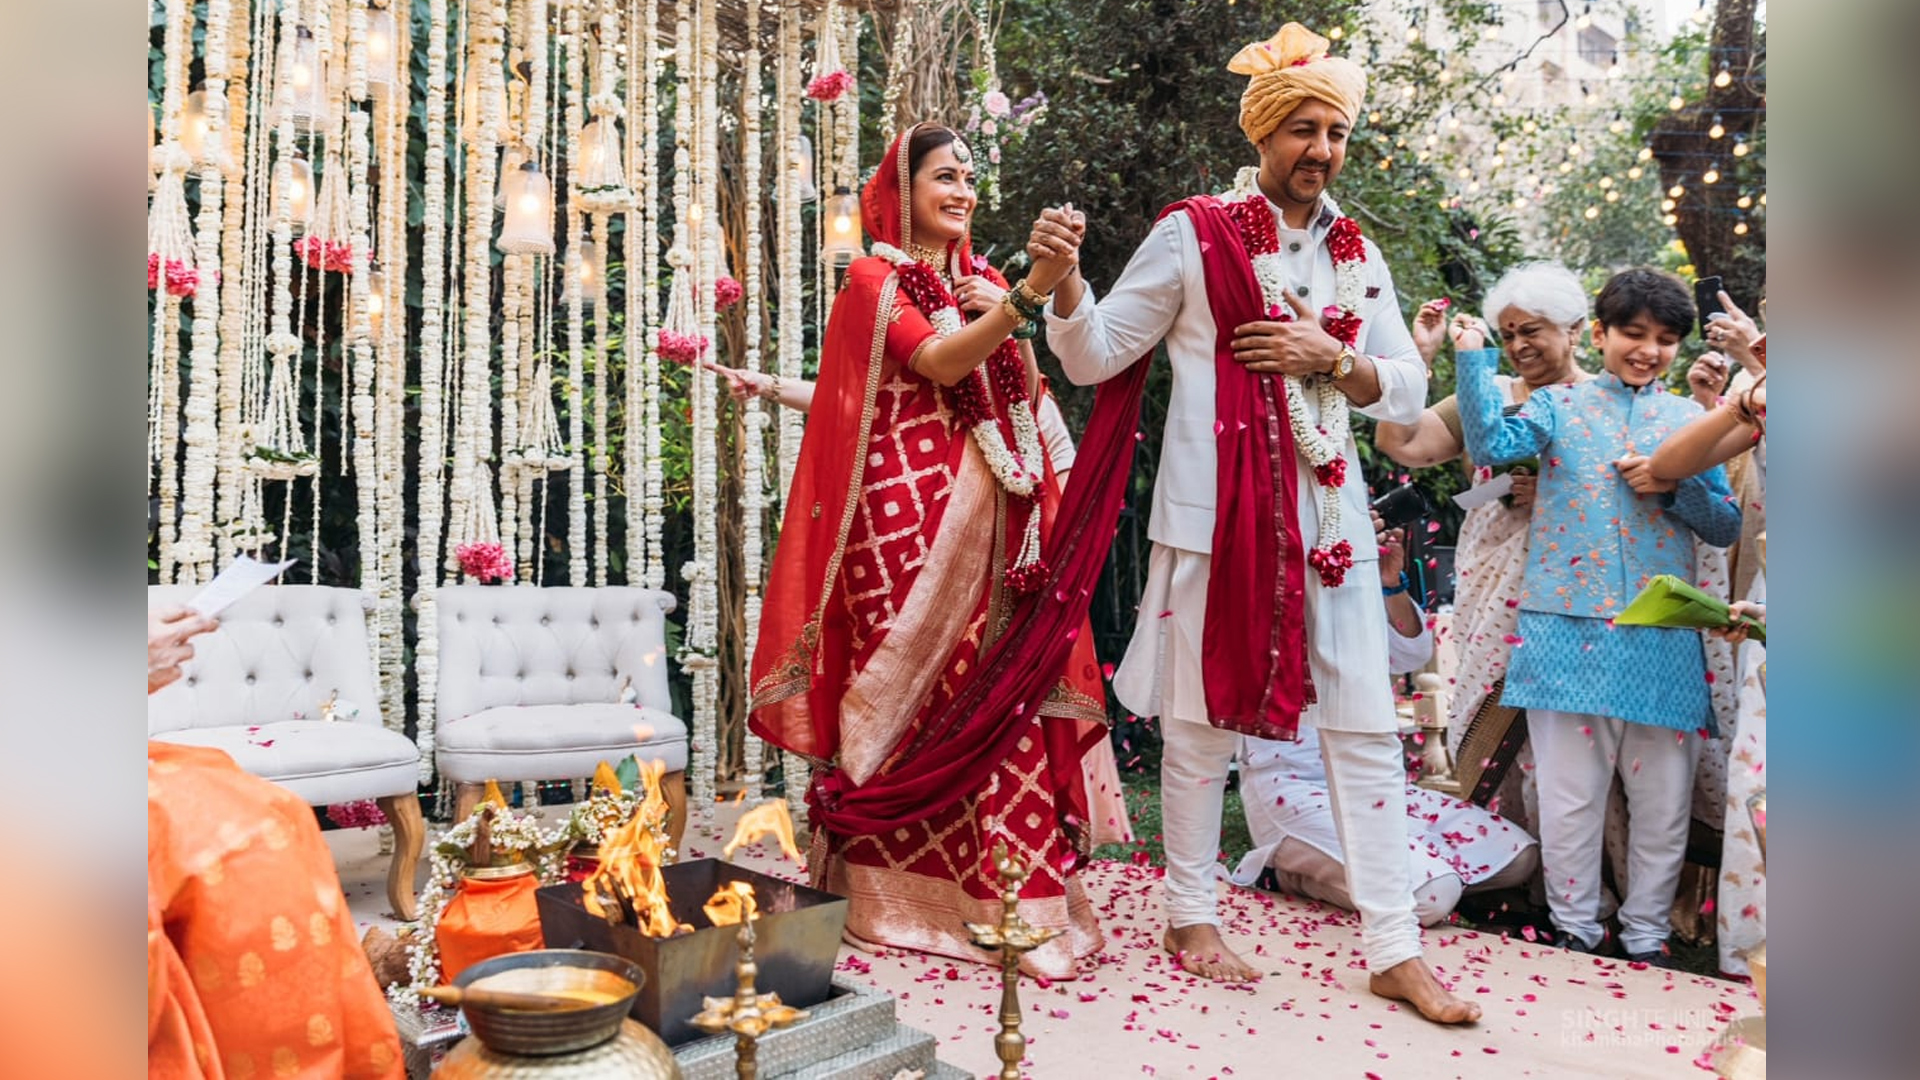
309 76
381 50
299 192
511 158
194 126
803 164
528 226
593 154
376 297
841 230
589 269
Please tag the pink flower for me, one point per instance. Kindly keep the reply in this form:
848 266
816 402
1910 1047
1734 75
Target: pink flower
681 348
726 293
485 562
996 104
830 86
362 814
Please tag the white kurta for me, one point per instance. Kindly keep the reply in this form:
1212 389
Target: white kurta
1162 296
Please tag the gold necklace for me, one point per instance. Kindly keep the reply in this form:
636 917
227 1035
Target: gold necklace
934 257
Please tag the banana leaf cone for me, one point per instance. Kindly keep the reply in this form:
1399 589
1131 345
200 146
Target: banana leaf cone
1669 601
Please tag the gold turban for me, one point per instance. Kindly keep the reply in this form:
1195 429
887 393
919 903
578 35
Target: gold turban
1289 68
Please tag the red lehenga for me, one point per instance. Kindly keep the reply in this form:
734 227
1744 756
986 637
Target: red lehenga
887 592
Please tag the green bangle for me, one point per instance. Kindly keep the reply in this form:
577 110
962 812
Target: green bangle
1397 589
1026 331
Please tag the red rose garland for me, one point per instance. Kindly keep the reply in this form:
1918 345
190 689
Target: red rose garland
1005 377
1324 443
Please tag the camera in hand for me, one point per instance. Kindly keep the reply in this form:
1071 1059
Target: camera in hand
1402 506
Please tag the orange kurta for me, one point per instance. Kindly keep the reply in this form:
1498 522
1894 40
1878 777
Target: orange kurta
253 967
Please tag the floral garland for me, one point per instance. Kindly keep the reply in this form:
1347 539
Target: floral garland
433 297
577 376
1323 444
1019 469
726 292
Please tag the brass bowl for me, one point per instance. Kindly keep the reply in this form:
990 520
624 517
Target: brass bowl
551 971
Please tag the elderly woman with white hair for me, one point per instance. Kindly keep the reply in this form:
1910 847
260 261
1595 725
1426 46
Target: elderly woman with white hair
1538 310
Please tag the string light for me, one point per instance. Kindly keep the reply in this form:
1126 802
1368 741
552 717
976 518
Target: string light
1613 196
1740 149
1646 153
1718 129
1592 212
1667 205
1606 182
1676 102
1712 175
1676 191
1636 173
1740 227
1670 219
1744 202
1586 18
1724 78
1618 125
1413 34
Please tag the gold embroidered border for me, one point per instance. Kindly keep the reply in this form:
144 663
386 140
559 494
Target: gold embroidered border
794 673
899 909
1065 700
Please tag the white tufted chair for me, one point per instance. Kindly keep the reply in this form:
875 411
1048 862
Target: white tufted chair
530 682
255 687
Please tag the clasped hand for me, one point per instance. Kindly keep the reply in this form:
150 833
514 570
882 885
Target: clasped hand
1299 347
1054 246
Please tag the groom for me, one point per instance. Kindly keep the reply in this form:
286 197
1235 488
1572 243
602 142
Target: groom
1259 475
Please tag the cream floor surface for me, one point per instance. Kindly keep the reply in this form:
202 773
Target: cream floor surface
1548 1013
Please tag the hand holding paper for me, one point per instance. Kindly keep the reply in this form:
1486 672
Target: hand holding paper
241 577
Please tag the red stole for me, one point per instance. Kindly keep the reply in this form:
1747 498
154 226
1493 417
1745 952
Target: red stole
1254 648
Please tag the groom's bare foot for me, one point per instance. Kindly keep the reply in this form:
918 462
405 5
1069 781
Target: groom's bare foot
1412 981
1199 950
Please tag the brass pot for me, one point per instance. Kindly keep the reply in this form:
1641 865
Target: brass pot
637 1054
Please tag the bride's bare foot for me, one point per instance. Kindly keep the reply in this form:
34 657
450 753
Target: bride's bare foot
1412 981
1199 950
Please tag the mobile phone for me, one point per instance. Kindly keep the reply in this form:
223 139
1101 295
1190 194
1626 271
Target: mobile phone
1403 505
1706 297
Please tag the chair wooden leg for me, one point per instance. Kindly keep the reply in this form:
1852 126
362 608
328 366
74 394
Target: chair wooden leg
409 836
673 787
466 797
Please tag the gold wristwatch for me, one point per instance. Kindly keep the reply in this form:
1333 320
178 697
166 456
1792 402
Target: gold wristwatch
1343 365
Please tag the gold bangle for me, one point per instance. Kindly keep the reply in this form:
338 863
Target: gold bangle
771 391
1032 297
1012 307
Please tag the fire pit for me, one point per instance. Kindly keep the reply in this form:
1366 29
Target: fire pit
798 939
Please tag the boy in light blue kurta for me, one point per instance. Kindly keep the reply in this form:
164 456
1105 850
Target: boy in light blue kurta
1602 698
